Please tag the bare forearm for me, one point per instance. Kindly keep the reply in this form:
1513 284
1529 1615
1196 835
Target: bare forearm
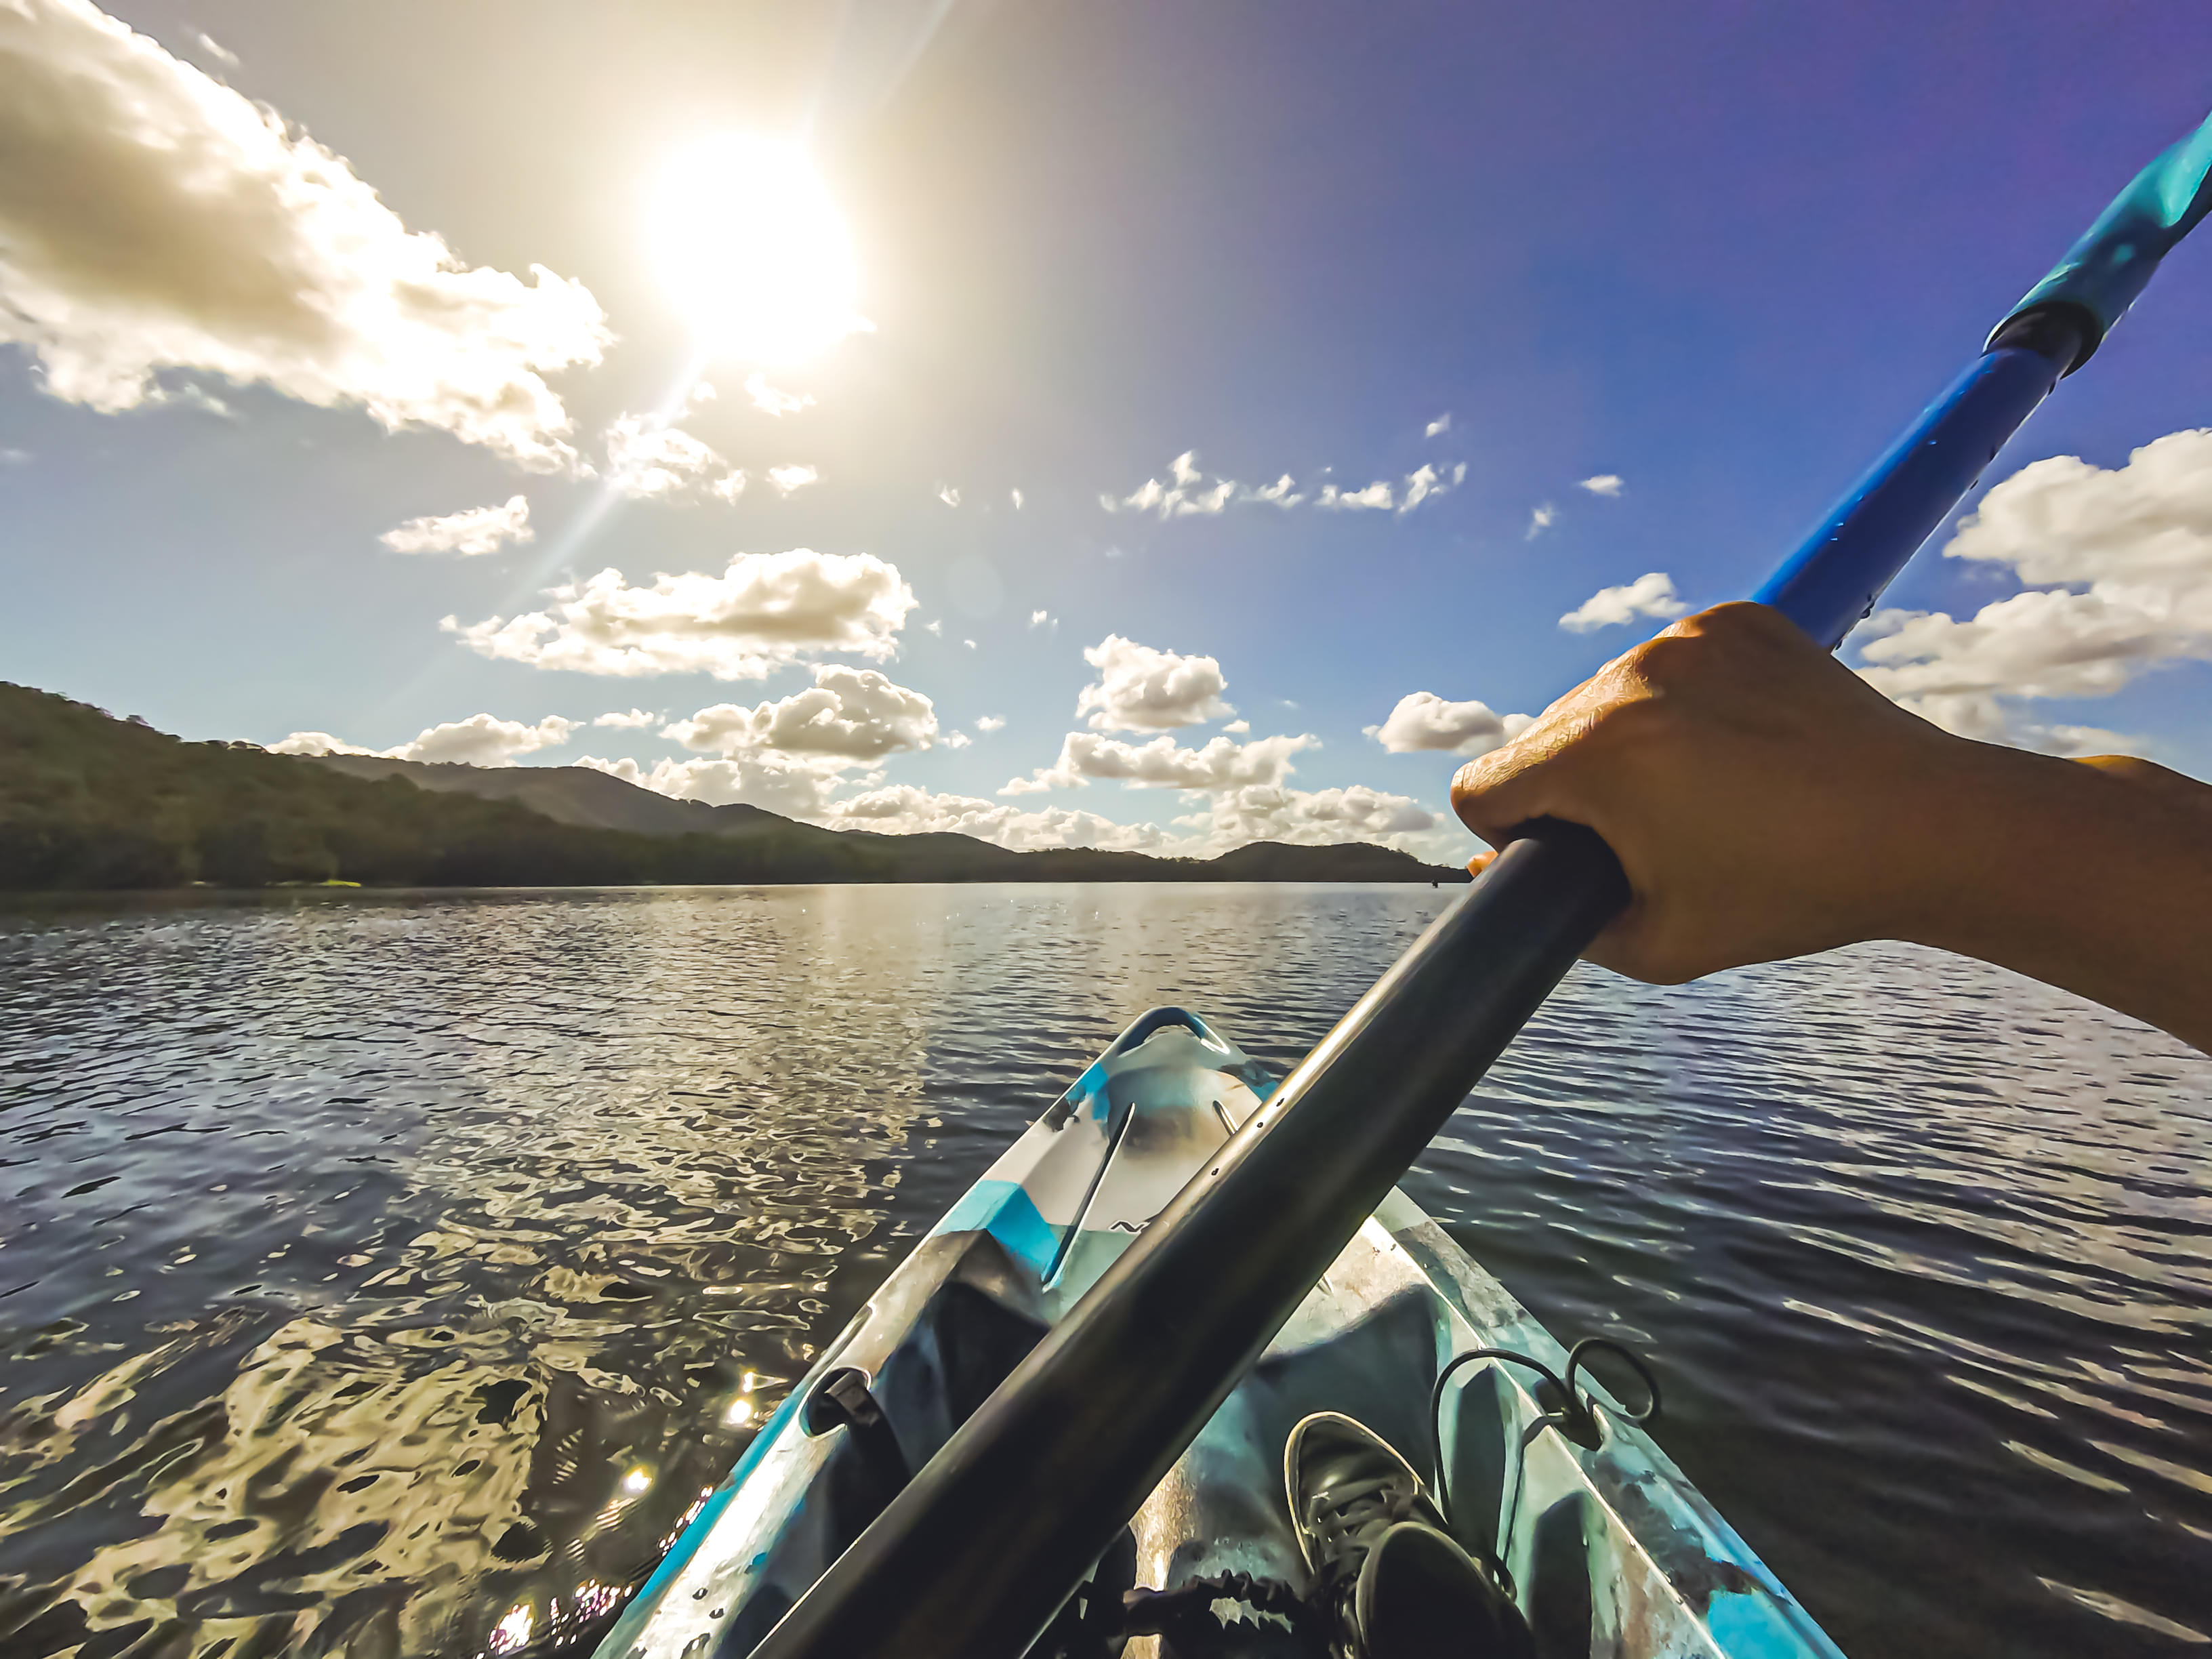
2094 878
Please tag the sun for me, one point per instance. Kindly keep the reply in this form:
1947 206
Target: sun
754 251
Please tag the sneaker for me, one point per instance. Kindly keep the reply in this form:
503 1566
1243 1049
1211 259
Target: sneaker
1396 1584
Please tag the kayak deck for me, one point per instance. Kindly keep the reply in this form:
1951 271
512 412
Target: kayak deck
1609 1548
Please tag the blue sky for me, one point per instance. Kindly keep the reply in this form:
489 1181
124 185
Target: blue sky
1716 254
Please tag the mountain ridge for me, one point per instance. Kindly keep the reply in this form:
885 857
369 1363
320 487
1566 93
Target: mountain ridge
89 801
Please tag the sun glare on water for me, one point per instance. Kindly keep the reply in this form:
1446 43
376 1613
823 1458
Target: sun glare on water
754 251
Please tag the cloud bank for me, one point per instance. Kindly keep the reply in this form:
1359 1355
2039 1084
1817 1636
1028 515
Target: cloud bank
765 611
2118 568
1220 764
152 219
1270 813
905 809
479 740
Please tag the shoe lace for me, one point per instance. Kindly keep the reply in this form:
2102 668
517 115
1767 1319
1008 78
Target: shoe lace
1345 1519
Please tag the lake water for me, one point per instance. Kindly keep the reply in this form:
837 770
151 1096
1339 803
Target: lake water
389 1274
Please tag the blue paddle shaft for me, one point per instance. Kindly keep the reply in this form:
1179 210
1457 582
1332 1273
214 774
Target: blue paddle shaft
1834 578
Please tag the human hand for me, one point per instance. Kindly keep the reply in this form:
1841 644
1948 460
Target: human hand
1764 800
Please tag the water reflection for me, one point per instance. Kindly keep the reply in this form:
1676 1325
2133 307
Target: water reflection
394 1273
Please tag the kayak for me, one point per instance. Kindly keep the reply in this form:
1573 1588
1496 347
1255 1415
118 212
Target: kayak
1603 1544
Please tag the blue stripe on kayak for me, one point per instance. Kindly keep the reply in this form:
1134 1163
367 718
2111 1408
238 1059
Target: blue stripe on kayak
1003 1210
641 1604
1754 1627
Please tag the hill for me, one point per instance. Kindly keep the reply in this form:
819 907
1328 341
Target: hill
571 794
90 801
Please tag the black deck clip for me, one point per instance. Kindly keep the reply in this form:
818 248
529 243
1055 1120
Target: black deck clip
842 1400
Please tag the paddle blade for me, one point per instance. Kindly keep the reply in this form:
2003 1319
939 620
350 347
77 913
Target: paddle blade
2102 274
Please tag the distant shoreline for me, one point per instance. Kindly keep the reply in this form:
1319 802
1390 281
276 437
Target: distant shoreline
21 900
92 804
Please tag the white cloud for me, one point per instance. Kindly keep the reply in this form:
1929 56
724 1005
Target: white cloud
991 723
1376 497
1237 727
479 740
1015 495
1043 619
848 715
791 756
221 54
789 478
1651 594
473 530
904 809
771 401
1140 688
970 644
948 494
1543 519
766 610
1321 817
1439 427
956 739
247 250
635 719
648 459
934 625
1420 484
2122 558
803 791
1423 720
318 742
1186 492
1605 484
1221 763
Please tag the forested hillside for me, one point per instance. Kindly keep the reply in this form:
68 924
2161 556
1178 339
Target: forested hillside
90 801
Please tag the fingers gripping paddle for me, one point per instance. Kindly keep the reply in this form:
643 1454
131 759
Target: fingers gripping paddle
976 1554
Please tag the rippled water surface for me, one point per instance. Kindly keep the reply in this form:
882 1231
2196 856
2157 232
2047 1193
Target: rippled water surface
389 1274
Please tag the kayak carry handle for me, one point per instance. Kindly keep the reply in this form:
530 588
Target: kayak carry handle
987 1542
1154 1019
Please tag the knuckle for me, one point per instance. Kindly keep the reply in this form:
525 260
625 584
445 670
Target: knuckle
1633 722
1668 657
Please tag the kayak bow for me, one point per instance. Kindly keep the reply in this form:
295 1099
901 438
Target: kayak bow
1611 1548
